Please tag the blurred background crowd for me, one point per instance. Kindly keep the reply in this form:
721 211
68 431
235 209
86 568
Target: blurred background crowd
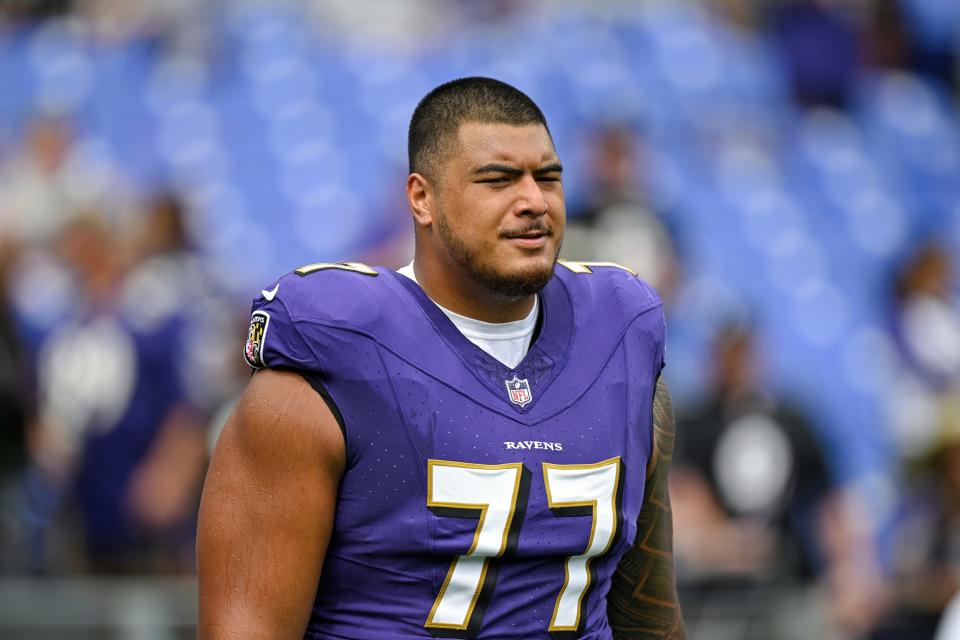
786 172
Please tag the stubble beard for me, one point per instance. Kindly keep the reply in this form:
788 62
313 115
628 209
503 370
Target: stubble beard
516 284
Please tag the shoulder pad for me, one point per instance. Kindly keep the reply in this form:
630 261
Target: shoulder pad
346 294
609 285
340 292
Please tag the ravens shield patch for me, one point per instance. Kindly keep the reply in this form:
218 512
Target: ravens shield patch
253 351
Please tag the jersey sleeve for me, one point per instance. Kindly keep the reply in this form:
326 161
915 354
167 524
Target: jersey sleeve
274 339
662 347
659 324
637 295
309 318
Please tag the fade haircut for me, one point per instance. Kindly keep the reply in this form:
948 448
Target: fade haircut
436 120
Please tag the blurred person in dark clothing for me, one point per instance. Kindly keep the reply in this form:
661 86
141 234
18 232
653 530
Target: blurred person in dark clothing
13 413
755 465
754 499
915 35
933 26
118 433
13 391
615 219
27 10
886 41
819 44
927 541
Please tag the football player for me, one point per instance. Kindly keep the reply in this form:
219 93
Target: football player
475 446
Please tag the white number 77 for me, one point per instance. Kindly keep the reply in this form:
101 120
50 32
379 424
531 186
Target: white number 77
491 493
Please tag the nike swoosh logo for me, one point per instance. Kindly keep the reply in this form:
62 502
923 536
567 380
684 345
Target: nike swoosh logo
269 295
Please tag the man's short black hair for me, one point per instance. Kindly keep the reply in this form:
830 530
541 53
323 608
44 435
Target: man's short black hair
438 117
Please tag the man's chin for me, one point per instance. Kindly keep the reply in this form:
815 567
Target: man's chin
519 282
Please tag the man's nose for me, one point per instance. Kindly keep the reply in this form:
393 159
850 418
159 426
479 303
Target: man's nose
531 199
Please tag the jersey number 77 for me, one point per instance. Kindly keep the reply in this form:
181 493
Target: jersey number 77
494 494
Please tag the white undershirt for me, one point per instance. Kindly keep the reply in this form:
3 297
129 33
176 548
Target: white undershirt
508 342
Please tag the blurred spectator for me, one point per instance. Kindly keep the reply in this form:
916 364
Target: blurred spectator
13 390
754 501
50 182
949 627
118 430
917 35
390 245
742 14
399 23
19 10
13 413
934 26
169 278
927 547
887 41
615 222
754 467
925 321
181 27
819 46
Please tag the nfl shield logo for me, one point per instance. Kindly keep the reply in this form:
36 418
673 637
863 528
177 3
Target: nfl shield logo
519 391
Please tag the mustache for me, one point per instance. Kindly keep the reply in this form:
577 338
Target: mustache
522 231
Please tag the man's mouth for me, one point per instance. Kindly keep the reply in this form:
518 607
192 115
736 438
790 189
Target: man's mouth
529 239
527 234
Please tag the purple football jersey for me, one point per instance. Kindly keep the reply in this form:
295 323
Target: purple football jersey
478 501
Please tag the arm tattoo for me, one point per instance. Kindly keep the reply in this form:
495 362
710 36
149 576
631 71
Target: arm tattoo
643 604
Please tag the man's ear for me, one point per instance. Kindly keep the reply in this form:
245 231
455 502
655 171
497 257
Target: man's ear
422 199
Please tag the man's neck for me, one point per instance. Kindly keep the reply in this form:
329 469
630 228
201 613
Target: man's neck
455 291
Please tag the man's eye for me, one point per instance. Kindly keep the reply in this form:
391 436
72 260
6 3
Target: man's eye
548 179
498 180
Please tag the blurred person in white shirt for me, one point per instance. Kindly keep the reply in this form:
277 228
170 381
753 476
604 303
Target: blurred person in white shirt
925 321
50 181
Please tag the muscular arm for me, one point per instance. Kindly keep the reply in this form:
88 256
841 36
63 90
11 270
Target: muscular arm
642 603
267 511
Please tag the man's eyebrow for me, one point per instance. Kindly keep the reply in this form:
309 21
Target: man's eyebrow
498 168
512 170
556 167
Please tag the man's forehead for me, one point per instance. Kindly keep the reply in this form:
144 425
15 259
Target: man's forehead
505 142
